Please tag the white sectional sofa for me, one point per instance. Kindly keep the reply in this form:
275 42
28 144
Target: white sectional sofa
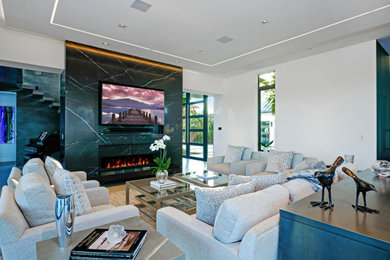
18 240
197 239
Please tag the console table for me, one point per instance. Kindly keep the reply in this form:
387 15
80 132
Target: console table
313 233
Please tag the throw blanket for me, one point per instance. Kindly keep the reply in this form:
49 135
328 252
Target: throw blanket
307 175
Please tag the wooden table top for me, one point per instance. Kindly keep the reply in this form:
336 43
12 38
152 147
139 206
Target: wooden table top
344 220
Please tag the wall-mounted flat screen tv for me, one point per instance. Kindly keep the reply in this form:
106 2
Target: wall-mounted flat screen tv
130 105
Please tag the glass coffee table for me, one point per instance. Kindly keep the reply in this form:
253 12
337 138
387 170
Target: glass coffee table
181 197
193 178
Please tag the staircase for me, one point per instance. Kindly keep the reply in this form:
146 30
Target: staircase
34 91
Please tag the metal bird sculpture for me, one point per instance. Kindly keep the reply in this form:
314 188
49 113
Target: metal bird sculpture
326 180
363 187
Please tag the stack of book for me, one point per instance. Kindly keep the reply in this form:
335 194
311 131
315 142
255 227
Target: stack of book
97 246
160 186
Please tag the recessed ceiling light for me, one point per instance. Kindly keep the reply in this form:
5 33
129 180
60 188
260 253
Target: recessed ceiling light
105 43
141 5
265 22
122 26
177 61
200 51
225 39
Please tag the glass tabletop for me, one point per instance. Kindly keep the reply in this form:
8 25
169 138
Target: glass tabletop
144 187
204 178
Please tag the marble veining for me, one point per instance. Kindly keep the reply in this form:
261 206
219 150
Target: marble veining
84 135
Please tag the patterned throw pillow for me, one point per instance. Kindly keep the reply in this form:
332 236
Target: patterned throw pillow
279 161
233 153
66 183
209 200
51 166
260 182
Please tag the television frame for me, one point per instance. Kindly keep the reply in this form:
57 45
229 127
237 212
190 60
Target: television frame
123 85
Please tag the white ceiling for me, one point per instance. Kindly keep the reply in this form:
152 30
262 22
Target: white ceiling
185 33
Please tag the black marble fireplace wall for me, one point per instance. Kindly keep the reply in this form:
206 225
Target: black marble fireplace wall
85 67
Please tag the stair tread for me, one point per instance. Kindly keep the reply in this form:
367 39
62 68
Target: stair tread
47 99
38 93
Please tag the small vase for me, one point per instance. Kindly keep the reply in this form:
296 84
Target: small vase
65 212
162 176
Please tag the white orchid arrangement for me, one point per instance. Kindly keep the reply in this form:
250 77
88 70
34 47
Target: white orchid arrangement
162 162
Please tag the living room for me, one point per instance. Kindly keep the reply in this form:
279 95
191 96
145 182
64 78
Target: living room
239 106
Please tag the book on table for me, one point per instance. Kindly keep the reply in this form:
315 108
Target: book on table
166 185
97 246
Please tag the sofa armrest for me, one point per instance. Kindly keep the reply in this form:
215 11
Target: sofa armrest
91 184
193 236
83 222
239 167
261 241
255 167
214 160
81 174
98 196
15 174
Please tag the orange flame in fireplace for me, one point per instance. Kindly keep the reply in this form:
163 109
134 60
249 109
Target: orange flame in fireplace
118 163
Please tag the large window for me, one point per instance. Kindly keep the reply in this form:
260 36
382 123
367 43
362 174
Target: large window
266 111
197 136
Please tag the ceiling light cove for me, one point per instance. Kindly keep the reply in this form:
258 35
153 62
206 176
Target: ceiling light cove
225 39
141 6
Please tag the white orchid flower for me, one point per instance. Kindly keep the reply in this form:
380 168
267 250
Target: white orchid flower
166 138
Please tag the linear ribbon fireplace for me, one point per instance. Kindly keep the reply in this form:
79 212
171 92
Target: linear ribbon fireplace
128 161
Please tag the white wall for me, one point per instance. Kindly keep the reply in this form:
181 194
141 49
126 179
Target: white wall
20 49
8 151
325 105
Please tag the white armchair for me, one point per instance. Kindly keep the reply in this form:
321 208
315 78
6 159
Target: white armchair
217 164
18 240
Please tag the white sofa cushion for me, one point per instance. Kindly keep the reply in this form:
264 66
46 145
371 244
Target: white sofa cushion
51 166
36 199
298 189
224 168
208 200
260 182
233 153
237 215
279 161
65 183
36 165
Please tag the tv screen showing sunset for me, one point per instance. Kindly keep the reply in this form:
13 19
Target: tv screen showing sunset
123 105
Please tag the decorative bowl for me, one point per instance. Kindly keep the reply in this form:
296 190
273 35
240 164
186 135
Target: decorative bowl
381 168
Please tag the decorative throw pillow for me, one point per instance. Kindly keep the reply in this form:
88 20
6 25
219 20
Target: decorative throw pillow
279 161
233 153
297 158
237 215
36 165
320 165
302 167
208 200
247 154
36 199
65 183
51 166
260 182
